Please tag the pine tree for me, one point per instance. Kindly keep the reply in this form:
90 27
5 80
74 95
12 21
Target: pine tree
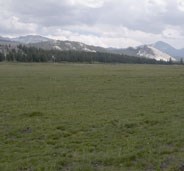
170 61
2 58
181 61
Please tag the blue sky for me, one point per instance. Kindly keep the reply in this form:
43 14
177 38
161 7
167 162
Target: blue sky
108 23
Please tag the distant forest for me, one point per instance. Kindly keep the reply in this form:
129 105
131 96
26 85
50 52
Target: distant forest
32 54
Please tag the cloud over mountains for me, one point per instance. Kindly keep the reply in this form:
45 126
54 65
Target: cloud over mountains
108 23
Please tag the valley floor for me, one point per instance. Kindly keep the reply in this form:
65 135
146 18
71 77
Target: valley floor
82 117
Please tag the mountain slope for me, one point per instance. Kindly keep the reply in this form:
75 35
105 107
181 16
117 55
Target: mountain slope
165 47
148 52
68 45
31 39
151 52
4 38
158 51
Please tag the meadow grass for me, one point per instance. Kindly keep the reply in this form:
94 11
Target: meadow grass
82 117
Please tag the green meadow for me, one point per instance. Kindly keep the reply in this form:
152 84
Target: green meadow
91 117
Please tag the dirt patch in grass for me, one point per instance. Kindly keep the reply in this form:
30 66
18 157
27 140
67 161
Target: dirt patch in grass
34 114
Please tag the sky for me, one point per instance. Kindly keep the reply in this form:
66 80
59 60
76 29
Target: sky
107 23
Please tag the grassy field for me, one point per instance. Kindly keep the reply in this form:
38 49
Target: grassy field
80 117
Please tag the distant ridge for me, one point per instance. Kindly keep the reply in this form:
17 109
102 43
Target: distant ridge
159 50
31 39
165 47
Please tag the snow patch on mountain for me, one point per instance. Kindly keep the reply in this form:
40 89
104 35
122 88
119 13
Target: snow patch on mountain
81 44
167 48
57 48
88 50
153 53
68 44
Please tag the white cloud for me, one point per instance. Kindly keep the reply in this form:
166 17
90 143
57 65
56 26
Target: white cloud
96 40
13 26
172 32
155 7
88 3
117 23
180 5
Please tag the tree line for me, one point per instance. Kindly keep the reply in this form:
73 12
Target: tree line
32 54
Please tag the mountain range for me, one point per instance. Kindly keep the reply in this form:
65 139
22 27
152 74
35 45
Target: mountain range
165 47
159 50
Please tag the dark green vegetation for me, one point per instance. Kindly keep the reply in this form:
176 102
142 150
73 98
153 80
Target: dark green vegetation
32 54
79 117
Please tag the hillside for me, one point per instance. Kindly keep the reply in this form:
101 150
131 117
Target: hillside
157 51
165 47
